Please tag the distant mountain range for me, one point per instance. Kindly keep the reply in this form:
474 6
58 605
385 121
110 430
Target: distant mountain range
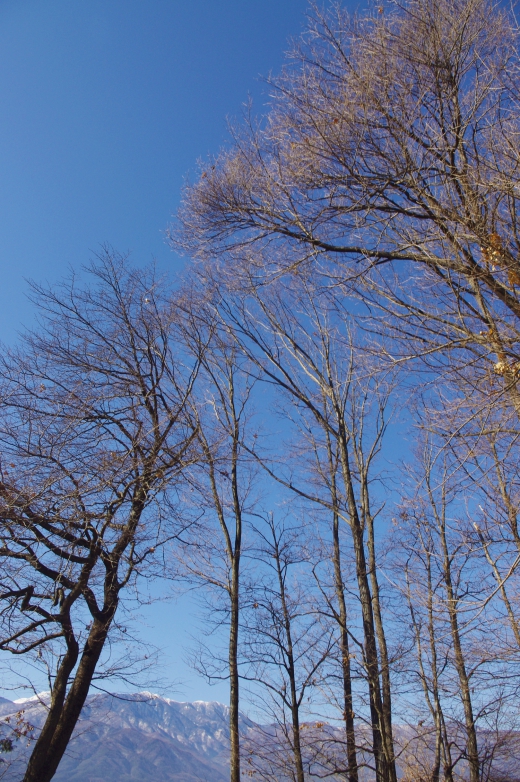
146 738
130 738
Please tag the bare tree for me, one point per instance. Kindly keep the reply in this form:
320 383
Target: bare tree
421 588
389 163
222 485
301 345
451 600
483 439
94 439
285 648
385 176
338 607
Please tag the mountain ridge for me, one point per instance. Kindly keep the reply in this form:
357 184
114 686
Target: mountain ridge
128 737
145 737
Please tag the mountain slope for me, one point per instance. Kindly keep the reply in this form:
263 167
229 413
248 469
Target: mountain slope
137 737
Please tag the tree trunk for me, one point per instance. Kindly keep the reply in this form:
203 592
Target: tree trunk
384 760
64 713
341 618
233 672
441 739
381 638
295 716
352 772
442 747
294 705
472 746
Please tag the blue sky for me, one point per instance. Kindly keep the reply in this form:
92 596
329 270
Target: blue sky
106 106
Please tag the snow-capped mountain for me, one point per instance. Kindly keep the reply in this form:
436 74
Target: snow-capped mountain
146 738
136 737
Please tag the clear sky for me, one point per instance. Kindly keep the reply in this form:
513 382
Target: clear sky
106 106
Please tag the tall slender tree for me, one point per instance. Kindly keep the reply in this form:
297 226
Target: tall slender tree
303 347
222 484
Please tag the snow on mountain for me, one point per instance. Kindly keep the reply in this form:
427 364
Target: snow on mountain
140 736
146 738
